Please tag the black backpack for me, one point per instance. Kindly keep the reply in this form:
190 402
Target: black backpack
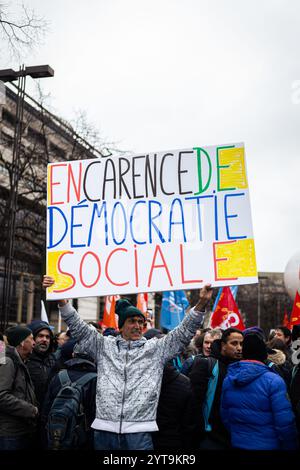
66 425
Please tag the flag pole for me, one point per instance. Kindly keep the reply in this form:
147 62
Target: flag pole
59 321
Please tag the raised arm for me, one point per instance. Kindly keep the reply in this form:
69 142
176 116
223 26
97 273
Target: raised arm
80 331
176 340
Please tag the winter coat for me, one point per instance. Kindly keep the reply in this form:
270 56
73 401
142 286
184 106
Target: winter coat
39 366
129 372
281 365
17 398
200 376
278 357
295 393
175 413
255 408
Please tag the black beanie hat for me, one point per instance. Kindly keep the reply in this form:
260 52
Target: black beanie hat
38 325
125 310
16 334
254 348
67 349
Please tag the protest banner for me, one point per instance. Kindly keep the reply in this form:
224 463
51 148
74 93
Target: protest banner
150 222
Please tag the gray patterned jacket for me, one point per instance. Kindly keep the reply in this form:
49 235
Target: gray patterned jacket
129 372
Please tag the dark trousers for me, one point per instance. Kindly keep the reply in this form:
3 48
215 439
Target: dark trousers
210 442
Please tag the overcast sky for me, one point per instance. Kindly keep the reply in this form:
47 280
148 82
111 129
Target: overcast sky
166 74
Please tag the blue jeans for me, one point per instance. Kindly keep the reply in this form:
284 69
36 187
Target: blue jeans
105 440
16 443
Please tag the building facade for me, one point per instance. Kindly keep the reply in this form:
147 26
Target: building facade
44 138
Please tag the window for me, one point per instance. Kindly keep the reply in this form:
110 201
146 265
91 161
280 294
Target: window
8 117
58 152
36 136
6 140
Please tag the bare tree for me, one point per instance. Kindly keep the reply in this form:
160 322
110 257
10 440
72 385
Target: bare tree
45 138
89 132
20 31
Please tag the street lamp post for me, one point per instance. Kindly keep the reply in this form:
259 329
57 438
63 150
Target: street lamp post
258 304
9 75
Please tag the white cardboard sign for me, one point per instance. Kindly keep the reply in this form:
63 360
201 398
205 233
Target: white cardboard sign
149 222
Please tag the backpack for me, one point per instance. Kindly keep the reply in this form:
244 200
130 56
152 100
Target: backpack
66 425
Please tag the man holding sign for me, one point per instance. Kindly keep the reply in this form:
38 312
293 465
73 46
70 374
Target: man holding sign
130 370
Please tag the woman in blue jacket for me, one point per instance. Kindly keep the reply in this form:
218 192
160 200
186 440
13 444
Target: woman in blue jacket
255 407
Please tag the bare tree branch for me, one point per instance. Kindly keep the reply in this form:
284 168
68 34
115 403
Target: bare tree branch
44 139
21 31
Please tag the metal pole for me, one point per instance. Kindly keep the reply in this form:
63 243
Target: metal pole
30 301
59 322
20 298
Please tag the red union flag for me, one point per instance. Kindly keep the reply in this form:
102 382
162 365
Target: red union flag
295 315
286 321
142 303
227 314
109 315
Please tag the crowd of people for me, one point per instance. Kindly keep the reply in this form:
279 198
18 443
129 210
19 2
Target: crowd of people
137 389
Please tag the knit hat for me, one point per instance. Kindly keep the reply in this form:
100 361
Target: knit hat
256 330
67 349
125 310
38 325
16 334
254 348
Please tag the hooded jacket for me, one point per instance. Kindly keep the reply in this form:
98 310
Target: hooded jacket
40 363
200 375
17 398
277 356
129 372
255 408
280 365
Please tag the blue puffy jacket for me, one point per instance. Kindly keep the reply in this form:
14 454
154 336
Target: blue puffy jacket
255 408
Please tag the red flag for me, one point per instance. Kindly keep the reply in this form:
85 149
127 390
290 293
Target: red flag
286 321
109 315
295 315
227 313
142 303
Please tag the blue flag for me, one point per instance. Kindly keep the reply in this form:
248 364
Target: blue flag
173 307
